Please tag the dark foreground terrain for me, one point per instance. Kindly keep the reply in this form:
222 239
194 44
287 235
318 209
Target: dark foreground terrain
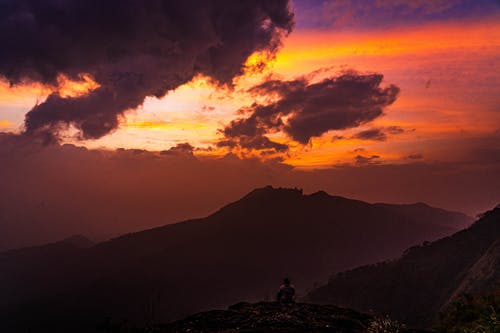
427 279
239 253
275 317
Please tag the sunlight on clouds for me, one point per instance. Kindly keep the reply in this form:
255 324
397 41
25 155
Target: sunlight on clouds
16 100
446 73
308 45
257 62
25 96
5 124
163 125
66 87
71 88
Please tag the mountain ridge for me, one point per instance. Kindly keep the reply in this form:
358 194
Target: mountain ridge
238 253
432 275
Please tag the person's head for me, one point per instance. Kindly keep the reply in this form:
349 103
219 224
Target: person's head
286 281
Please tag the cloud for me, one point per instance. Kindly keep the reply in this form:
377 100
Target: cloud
396 130
361 14
423 6
376 134
363 160
258 142
415 156
132 49
185 149
380 133
302 109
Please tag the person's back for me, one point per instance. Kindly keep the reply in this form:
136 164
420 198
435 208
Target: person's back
286 294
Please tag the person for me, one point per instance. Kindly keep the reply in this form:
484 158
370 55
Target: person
286 294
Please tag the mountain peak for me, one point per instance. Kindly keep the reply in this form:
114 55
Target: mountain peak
320 194
269 190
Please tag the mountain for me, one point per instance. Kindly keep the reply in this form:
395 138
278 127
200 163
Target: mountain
239 253
432 215
40 266
426 279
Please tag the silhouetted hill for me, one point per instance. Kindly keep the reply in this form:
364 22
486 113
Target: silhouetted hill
425 213
239 253
33 271
416 287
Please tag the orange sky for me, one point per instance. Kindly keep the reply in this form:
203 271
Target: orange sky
447 74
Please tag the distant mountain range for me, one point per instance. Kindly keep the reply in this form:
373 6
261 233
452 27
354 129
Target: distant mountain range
239 253
426 279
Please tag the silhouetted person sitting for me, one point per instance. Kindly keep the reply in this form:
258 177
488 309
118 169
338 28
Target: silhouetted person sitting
286 294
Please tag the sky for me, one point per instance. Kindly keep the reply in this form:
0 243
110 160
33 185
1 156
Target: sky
384 100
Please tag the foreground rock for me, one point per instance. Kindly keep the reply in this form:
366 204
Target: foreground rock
274 317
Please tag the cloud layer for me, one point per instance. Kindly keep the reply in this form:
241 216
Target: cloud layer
362 14
133 49
51 192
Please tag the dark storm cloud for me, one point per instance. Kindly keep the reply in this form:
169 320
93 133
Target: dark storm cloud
132 48
303 110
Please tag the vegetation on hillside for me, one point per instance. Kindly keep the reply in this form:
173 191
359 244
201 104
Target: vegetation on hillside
469 314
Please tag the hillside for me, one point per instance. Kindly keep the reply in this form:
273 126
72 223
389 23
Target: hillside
30 272
426 279
239 253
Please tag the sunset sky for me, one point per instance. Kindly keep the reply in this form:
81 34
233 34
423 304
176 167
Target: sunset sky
437 106
443 55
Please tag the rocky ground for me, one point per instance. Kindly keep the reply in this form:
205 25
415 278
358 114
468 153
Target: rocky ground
274 317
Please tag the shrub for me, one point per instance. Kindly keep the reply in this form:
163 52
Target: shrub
469 314
385 325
